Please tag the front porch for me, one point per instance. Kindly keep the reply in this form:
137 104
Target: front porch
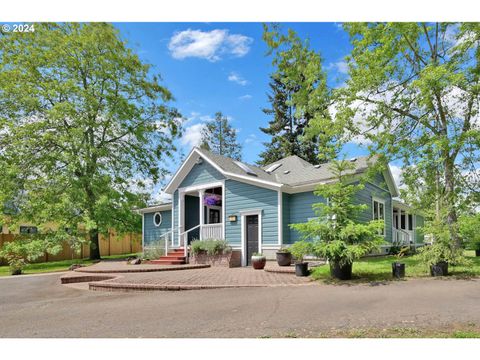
404 224
201 214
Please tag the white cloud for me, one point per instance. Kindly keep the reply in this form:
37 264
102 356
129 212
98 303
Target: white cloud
252 138
210 45
237 78
340 66
245 97
192 135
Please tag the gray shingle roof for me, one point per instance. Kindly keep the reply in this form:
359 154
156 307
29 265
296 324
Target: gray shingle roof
293 170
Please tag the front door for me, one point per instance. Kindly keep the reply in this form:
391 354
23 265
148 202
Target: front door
252 236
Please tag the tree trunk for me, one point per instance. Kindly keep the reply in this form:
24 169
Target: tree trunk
94 245
451 202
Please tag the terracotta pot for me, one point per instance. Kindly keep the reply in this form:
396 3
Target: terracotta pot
258 262
284 258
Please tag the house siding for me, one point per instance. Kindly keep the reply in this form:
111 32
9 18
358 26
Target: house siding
366 195
300 210
203 173
419 236
242 197
152 233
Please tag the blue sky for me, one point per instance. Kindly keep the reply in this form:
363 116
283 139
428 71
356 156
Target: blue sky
212 67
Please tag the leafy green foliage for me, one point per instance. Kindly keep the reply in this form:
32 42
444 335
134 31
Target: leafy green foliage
210 246
441 251
469 228
220 137
154 250
284 250
413 94
337 235
22 250
299 94
84 126
300 249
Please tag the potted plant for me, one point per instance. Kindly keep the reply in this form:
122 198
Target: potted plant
258 261
299 250
284 257
337 235
398 268
438 256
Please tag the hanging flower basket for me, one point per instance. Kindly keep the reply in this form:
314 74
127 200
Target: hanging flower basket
212 200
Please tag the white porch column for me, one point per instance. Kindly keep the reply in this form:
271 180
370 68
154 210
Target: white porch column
181 216
201 193
223 210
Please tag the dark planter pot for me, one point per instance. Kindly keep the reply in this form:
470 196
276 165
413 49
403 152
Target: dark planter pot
398 270
341 272
439 269
477 252
284 259
16 272
258 262
301 269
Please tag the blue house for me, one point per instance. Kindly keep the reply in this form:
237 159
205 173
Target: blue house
215 197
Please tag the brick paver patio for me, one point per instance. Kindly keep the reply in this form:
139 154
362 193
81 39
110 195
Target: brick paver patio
186 279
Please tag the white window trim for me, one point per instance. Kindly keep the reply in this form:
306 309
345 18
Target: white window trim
243 224
380 201
161 219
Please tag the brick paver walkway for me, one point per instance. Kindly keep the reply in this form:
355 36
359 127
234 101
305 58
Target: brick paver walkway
200 278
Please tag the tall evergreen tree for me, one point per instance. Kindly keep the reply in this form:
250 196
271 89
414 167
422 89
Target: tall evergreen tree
298 94
220 137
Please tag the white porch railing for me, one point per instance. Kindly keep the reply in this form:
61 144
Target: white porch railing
183 238
211 231
207 231
401 236
164 241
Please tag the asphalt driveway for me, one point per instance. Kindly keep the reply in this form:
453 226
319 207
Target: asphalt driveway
38 306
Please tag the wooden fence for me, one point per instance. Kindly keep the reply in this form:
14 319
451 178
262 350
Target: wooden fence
111 244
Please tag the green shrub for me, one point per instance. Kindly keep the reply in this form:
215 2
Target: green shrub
441 251
469 229
336 233
23 250
210 246
300 249
284 250
154 250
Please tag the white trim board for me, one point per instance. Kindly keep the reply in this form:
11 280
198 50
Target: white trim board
192 159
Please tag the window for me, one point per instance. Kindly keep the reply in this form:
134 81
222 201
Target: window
28 230
157 219
213 216
378 208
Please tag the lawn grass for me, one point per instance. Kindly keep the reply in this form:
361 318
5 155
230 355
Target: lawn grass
62 265
380 269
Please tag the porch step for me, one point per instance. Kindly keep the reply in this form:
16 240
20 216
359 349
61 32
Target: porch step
167 262
174 257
